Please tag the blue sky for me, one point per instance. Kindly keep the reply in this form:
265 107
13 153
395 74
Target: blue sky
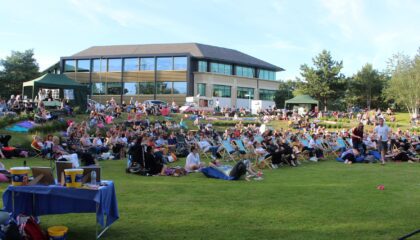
285 33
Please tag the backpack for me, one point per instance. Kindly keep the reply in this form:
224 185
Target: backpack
30 229
238 170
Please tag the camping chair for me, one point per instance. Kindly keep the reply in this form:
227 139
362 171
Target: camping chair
229 150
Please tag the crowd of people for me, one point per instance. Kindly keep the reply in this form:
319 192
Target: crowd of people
151 146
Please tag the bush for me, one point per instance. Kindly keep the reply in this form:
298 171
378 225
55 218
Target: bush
228 123
6 121
49 127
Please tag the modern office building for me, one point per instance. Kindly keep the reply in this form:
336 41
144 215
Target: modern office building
170 72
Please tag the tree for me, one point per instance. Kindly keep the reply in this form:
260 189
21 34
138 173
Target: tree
404 86
17 68
365 87
323 81
284 92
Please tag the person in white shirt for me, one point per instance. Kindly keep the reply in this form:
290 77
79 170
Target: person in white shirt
315 151
193 162
382 132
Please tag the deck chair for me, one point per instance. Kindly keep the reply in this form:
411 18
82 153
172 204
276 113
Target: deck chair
259 139
37 151
202 151
325 148
263 163
241 147
228 150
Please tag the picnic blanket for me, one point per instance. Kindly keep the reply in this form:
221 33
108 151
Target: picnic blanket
17 128
26 124
22 127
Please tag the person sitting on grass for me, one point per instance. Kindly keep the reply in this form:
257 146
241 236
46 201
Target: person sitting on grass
153 163
350 155
401 155
193 163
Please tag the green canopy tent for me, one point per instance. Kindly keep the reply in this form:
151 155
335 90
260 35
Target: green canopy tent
74 91
301 100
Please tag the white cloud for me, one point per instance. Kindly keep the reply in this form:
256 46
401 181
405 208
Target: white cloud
347 15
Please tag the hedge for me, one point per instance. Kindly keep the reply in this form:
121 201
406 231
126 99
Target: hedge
225 123
49 127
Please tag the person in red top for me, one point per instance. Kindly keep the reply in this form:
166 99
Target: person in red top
357 137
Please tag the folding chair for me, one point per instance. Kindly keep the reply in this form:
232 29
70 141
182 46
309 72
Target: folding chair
266 162
37 151
259 139
241 146
229 150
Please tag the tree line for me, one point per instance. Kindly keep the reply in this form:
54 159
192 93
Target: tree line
398 86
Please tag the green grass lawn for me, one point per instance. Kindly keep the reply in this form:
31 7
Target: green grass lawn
325 200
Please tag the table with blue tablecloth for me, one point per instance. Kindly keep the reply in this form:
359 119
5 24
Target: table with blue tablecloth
41 200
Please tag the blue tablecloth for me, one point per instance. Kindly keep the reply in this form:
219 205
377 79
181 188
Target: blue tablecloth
55 199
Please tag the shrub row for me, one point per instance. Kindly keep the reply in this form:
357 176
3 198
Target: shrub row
50 127
6 121
228 123
334 126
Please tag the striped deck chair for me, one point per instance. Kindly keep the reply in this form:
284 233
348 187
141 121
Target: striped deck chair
228 150
325 147
241 146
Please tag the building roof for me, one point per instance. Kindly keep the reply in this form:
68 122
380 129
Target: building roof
196 50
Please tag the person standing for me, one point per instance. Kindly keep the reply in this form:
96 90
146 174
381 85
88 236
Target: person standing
357 137
382 132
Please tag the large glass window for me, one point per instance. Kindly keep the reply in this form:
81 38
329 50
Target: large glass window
202 66
114 65
69 65
266 74
163 87
99 65
221 91
147 64
98 88
180 63
221 68
180 88
114 88
164 63
266 94
131 64
83 65
244 71
245 93
131 88
147 88
201 89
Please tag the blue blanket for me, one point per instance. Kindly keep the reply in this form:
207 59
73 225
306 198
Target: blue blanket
211 172
17 128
